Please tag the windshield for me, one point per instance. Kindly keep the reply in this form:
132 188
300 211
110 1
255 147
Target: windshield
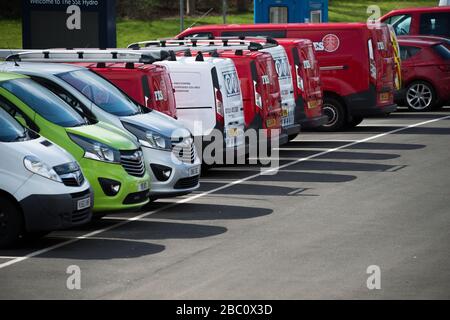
101 93
443 51
44 102
10 129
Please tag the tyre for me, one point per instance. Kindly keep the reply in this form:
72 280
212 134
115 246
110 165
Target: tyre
420 96
355 121
335 111
11 223
292 137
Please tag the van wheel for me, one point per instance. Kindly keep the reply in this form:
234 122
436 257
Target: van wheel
292 137
420 96
335 112
355 121
11 223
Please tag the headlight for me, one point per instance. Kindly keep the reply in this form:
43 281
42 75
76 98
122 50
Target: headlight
155 141
96 150
38 167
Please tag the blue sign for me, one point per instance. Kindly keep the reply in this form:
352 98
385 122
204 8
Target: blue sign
69 24
291 11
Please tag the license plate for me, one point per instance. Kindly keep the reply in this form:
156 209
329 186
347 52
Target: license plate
384 97
195 171
271 123
143 186
312 104
285 113
233 132
83 204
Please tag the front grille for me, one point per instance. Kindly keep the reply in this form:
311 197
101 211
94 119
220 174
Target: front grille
138 197
73 181
185 153
187 183
80 194
133 163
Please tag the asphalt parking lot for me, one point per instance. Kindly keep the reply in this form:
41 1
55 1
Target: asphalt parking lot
377 195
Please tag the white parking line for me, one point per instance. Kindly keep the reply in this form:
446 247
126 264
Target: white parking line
200 195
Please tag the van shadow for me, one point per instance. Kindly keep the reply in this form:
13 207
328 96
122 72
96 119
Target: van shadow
359 146
86 249
249 189
282 175
337 155
198 212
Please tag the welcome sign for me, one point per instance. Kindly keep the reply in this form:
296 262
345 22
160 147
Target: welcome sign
69 24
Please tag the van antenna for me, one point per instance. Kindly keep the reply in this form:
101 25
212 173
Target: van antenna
203 16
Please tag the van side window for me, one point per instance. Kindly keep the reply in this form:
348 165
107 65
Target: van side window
401 24
18 114
256 33
408 52
437 24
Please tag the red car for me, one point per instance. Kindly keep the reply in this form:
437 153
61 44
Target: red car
426 72
357 65
420 21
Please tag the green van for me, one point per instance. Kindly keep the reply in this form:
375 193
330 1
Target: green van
109 158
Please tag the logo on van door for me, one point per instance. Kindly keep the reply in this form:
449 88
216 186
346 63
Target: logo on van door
329 43
232 85
282 66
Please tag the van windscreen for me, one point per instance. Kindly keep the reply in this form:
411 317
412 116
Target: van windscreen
10 129
101 92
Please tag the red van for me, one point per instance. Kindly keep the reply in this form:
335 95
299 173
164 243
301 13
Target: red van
433 21
147 84
306 77
348 55
260 88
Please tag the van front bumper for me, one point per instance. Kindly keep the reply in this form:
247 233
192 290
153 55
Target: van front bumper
184 176
55 212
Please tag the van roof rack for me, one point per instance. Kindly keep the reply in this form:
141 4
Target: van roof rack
88 55
252 43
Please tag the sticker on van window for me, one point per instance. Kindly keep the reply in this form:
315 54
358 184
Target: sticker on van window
306 64
159 96
329 43
282 67
381 46
265 79
232 85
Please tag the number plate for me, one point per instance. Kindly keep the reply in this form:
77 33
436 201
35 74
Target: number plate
195 171
271 123
143 186
83 204
233 132
285 113
384 97
312 104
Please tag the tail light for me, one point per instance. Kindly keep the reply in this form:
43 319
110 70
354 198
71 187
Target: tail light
219 106
258 97
300 85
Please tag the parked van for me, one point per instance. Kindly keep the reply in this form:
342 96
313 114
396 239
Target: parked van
112 163
306 78
432 21
42 187
208 97
169 152
257 76
350 80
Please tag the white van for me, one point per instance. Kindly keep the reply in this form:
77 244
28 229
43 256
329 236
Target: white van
208 95
42 187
